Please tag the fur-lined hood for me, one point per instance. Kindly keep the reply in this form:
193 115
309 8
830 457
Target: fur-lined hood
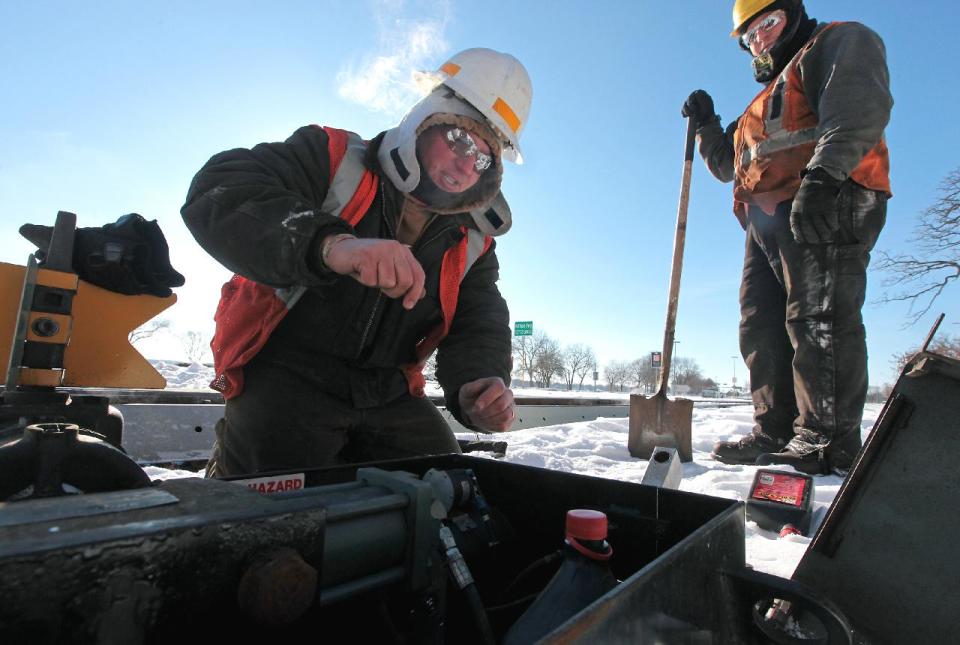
397 157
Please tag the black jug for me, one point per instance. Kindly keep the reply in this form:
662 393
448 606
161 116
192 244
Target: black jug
583 577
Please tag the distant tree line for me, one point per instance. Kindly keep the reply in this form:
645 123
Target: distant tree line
641 374
196 345
946 345
542 361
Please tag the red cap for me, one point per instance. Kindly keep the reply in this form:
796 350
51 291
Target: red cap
789 529
584 524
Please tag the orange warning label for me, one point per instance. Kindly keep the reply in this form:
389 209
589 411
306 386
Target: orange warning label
780 487
274 484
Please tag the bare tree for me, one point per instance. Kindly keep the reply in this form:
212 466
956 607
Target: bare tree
527 351
148 329
946 346
925 273
707 384
578 361
548 362
522 354
686 371
194 345
645 373
617 373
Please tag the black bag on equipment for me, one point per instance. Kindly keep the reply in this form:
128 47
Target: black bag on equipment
129 256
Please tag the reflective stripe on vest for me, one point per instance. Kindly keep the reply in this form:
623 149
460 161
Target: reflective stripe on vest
248 311
343 187
456 262
776 139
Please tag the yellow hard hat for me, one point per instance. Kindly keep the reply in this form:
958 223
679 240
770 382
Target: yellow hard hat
743 10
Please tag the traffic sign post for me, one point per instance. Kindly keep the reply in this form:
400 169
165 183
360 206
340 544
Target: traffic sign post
523 328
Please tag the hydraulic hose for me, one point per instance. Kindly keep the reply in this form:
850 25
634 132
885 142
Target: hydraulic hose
464 579
479 614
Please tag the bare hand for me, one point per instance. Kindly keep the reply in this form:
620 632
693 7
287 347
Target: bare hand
385 264
488 404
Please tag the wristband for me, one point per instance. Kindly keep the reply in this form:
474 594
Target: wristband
330 241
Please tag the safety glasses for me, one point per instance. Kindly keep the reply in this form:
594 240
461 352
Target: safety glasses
764 26
463 145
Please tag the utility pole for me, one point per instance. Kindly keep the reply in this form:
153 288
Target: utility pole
734 382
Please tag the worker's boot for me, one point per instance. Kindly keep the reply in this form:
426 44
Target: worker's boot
844 449
809 458
748 448
812 453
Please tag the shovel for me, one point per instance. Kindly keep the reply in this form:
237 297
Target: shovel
657 421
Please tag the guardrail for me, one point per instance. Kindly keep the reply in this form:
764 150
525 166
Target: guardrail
177 425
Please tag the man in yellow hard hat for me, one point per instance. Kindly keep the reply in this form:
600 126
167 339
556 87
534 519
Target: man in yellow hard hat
355 260
811 181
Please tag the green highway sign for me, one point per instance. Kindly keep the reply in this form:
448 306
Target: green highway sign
523 328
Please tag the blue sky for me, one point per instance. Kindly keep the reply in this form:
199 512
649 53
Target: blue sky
111 107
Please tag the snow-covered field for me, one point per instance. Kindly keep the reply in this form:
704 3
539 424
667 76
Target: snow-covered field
599 448
184 376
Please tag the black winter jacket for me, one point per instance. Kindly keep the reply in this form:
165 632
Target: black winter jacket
255 211
847 84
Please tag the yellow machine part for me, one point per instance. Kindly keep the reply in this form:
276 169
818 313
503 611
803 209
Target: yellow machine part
64 323
41 377
98 353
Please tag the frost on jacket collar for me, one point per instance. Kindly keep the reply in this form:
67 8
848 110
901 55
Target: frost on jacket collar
397 158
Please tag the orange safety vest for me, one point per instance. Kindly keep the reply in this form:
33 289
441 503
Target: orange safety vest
776 138
249 311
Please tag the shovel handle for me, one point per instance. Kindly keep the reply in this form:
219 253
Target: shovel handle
678 243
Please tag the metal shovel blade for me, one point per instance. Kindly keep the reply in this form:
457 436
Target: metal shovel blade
659 421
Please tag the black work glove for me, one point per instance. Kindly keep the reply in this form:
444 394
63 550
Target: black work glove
699 107
813 215
129 256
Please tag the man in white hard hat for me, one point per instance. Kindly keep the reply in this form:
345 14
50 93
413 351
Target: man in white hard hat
354 261
811 182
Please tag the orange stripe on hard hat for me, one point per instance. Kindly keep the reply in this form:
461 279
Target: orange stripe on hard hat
450 69
500 107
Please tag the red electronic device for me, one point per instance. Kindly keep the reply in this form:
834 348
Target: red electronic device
781 501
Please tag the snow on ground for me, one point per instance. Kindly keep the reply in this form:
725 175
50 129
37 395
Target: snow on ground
184 376
599 448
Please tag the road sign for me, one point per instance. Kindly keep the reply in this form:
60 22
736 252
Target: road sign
523 328
656 358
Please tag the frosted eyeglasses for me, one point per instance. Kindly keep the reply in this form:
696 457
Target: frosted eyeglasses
463 145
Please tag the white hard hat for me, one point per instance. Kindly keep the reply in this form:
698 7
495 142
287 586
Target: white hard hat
498 86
